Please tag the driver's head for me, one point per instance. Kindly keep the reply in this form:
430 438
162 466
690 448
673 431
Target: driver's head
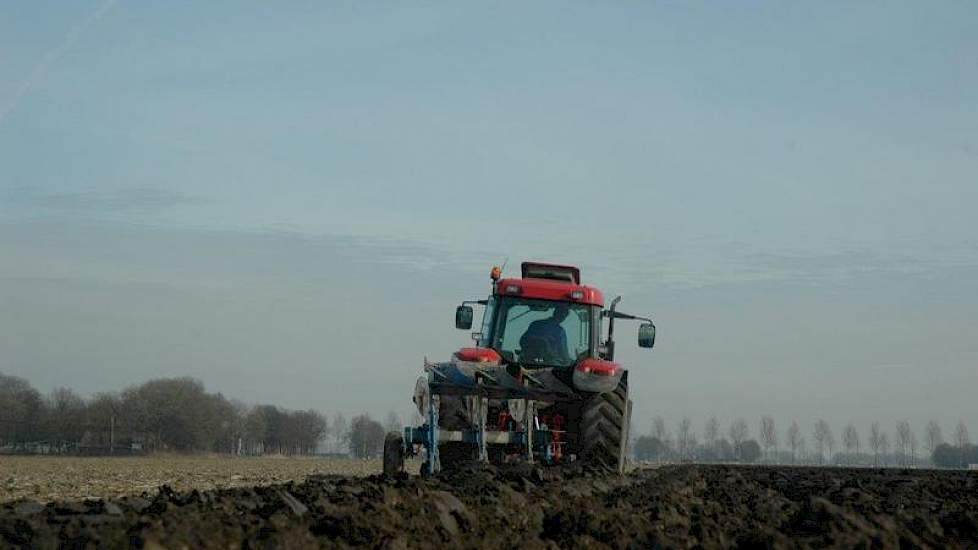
561 312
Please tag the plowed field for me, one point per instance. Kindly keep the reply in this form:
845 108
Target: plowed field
527 507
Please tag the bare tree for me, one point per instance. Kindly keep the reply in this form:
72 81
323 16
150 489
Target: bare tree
711 434
824 441
685 438
366 437
885 446
830 442
100 420
738 435
64 417
850 439
340 432
961 440
876 442
21 411
769 436
913 449
660 432
393 422
933 437
795 440
902 442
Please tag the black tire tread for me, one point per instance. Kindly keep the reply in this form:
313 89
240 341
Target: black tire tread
603 427
393 454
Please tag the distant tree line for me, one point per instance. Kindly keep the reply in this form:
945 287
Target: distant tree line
881 448
172 414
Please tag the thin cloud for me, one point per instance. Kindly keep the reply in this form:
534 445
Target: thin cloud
92 201
52 57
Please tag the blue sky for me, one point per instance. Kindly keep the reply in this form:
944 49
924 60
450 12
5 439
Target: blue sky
236 190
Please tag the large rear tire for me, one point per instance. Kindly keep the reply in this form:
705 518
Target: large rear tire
604 428
393 454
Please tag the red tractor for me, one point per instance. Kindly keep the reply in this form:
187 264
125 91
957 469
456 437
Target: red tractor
539 385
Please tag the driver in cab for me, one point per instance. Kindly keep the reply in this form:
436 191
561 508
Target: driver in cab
545 338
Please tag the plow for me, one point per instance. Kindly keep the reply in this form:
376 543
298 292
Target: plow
540 384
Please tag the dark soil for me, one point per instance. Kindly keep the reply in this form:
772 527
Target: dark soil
674 506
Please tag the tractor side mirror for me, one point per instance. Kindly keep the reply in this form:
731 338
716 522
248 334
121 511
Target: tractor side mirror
646 335
463 317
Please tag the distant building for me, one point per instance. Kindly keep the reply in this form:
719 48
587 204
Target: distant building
973 466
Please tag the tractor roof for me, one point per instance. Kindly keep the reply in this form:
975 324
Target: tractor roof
550 282
537 270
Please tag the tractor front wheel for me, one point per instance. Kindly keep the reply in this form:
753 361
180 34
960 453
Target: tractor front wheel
604 428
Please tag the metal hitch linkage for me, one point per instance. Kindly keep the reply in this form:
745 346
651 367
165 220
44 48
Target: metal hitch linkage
532 440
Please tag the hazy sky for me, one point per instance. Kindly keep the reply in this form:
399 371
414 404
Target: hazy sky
287 200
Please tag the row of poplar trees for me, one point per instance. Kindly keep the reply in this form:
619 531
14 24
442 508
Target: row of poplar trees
877 447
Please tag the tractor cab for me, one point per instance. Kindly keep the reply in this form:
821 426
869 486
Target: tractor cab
547 318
